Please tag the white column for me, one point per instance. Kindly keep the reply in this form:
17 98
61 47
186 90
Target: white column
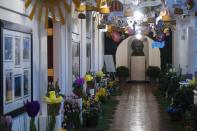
43 65
82 47
59 55
68 47
101 50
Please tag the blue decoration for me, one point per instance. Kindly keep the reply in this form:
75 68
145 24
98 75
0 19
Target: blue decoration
157 44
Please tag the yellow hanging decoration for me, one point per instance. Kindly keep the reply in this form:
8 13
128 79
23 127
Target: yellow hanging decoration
49 6
103 8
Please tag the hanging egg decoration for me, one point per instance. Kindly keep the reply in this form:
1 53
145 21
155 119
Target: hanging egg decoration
116 37
190 4
116 6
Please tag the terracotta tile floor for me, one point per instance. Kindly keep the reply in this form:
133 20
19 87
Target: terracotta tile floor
138 110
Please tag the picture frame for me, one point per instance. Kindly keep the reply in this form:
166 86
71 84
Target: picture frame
15 67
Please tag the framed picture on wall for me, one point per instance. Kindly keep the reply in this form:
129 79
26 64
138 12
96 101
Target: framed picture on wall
9 86
15 68
17 51
8 47
26 49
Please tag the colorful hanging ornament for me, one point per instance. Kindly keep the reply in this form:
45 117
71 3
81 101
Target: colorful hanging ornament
116 6
81 9
166 31
116 37
49 6
190 4
103 8
165 14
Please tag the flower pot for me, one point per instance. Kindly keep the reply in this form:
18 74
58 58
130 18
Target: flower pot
78 92
90 85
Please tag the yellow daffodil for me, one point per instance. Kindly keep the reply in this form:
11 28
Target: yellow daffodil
53 99
100 74
110 84
88 77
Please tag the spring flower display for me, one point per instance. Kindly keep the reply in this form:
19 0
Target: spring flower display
53 99
101 95
71 118
78 87
100 74
91 110
32 108
6 123
89 81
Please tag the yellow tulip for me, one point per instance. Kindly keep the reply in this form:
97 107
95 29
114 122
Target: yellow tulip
53 99
88 78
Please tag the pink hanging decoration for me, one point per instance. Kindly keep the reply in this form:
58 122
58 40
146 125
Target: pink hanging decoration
116 37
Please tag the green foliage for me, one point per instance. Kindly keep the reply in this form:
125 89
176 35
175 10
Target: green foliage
153 72
122 71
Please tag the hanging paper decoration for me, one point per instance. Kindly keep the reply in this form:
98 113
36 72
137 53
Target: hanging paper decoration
81 9
116 6
166 31
190 4
103 8
49 6
128 12
116 37
165 14
160 36
157 44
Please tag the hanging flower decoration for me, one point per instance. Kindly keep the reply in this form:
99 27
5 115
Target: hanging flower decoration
116 36
103 8
81 9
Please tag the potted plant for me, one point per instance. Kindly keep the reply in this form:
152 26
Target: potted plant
122 73
99 76
89 81
153 73
78 87
174 113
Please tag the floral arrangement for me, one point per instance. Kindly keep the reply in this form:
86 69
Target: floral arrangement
100 74
101 95
91 110
53 98
78 87
32 108
89 81
71 115
6 123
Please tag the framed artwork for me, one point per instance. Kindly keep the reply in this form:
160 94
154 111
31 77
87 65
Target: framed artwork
15 68
26 49
17 51
17 86
9 86
8 46
26 82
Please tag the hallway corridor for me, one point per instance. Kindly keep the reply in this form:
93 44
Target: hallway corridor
138 110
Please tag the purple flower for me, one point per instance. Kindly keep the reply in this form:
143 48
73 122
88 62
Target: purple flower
32 108
79 82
